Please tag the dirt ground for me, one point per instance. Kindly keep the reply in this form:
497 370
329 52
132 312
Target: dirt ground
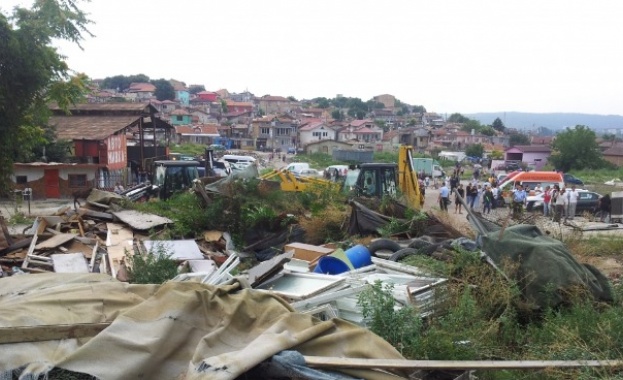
611 266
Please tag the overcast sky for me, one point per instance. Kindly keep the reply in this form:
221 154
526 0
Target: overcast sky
449 56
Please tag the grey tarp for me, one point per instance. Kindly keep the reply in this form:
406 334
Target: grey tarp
178 330
546 270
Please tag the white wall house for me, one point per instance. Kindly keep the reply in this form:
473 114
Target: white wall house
314 132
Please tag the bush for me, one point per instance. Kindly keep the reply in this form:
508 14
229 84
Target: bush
155 267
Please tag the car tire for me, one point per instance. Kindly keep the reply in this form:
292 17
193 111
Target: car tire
383 245
401 254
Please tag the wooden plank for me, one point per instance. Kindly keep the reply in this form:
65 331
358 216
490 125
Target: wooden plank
335 362
118 240
141 221
93 256
96 214
21 334
70 263
31 249
55 241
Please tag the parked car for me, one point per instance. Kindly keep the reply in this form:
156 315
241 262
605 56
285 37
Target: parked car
572 180
216 147
587 202
291 150
308 173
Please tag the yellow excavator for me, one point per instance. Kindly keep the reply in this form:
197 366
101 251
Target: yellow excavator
289 182
396 180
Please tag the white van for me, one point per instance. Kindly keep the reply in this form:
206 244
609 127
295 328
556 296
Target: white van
296 167
234 159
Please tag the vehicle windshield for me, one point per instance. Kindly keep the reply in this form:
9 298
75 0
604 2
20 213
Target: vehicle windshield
177 177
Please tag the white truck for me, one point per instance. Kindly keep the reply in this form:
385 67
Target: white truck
429 166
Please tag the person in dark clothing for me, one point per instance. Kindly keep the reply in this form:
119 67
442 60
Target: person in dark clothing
605 205
457 202
487 200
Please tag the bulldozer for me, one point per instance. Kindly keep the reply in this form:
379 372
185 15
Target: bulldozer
396 180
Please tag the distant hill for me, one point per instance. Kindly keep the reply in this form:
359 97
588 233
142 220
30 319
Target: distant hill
525 120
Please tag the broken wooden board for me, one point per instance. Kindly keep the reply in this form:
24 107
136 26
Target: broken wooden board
118 241
177 249
69 263
55 241
77 246
140 220
265 269
96 214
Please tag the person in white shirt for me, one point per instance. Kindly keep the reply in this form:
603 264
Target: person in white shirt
538 189
495 192
572 197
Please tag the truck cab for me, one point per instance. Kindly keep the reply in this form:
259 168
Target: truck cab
171 176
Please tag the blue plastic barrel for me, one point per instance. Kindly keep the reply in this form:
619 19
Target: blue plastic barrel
331 265
359 256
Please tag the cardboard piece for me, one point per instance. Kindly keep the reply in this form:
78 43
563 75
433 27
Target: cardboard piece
308 252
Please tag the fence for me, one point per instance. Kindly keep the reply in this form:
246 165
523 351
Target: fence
107 180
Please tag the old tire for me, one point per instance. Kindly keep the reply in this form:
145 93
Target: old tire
418 243
383 245
401 254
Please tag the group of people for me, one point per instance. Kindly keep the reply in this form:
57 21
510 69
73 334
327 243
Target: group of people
474 195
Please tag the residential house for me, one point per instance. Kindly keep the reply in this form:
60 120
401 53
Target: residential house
208 96
614 155
363 131
202 117
238 107
273 132
182 95
101 155
196 134
181 116
205 105
315 131
389 101
142 91
533 155
274 104
385 115
326 146
242 97
542 140
222 93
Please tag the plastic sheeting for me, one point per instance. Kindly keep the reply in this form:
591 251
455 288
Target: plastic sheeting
172 331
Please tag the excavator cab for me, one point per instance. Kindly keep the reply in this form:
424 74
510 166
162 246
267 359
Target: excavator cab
396 180
377 180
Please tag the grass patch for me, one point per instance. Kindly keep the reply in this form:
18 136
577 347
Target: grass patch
155 267
601 246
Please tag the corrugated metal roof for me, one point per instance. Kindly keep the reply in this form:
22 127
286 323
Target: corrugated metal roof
90 127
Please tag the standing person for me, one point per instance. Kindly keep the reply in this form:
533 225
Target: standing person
468 195
487 200
473 196
538 189
444 193
477 196
494 191
458 204
560 199
572 197
519 198
547 198
605 204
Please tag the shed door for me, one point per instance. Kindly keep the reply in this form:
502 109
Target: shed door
52 189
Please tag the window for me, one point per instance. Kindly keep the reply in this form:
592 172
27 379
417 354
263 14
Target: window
265 131
21 179
77 180
179 118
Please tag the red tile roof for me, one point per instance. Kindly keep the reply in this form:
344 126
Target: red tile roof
311 126
206 129
141 87
274 98
359 123
532 148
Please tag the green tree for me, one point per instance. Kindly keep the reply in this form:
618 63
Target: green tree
576 149
457 118
122 82
196 88
418 109
292 99
518 139
322 102
33 73
337 115
224 108
487 131
475 150
498 125
164 89
609 137
470 125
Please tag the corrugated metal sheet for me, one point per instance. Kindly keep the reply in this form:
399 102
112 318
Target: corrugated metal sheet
90 127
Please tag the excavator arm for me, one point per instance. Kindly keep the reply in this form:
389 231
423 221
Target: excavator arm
289 182
407 178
